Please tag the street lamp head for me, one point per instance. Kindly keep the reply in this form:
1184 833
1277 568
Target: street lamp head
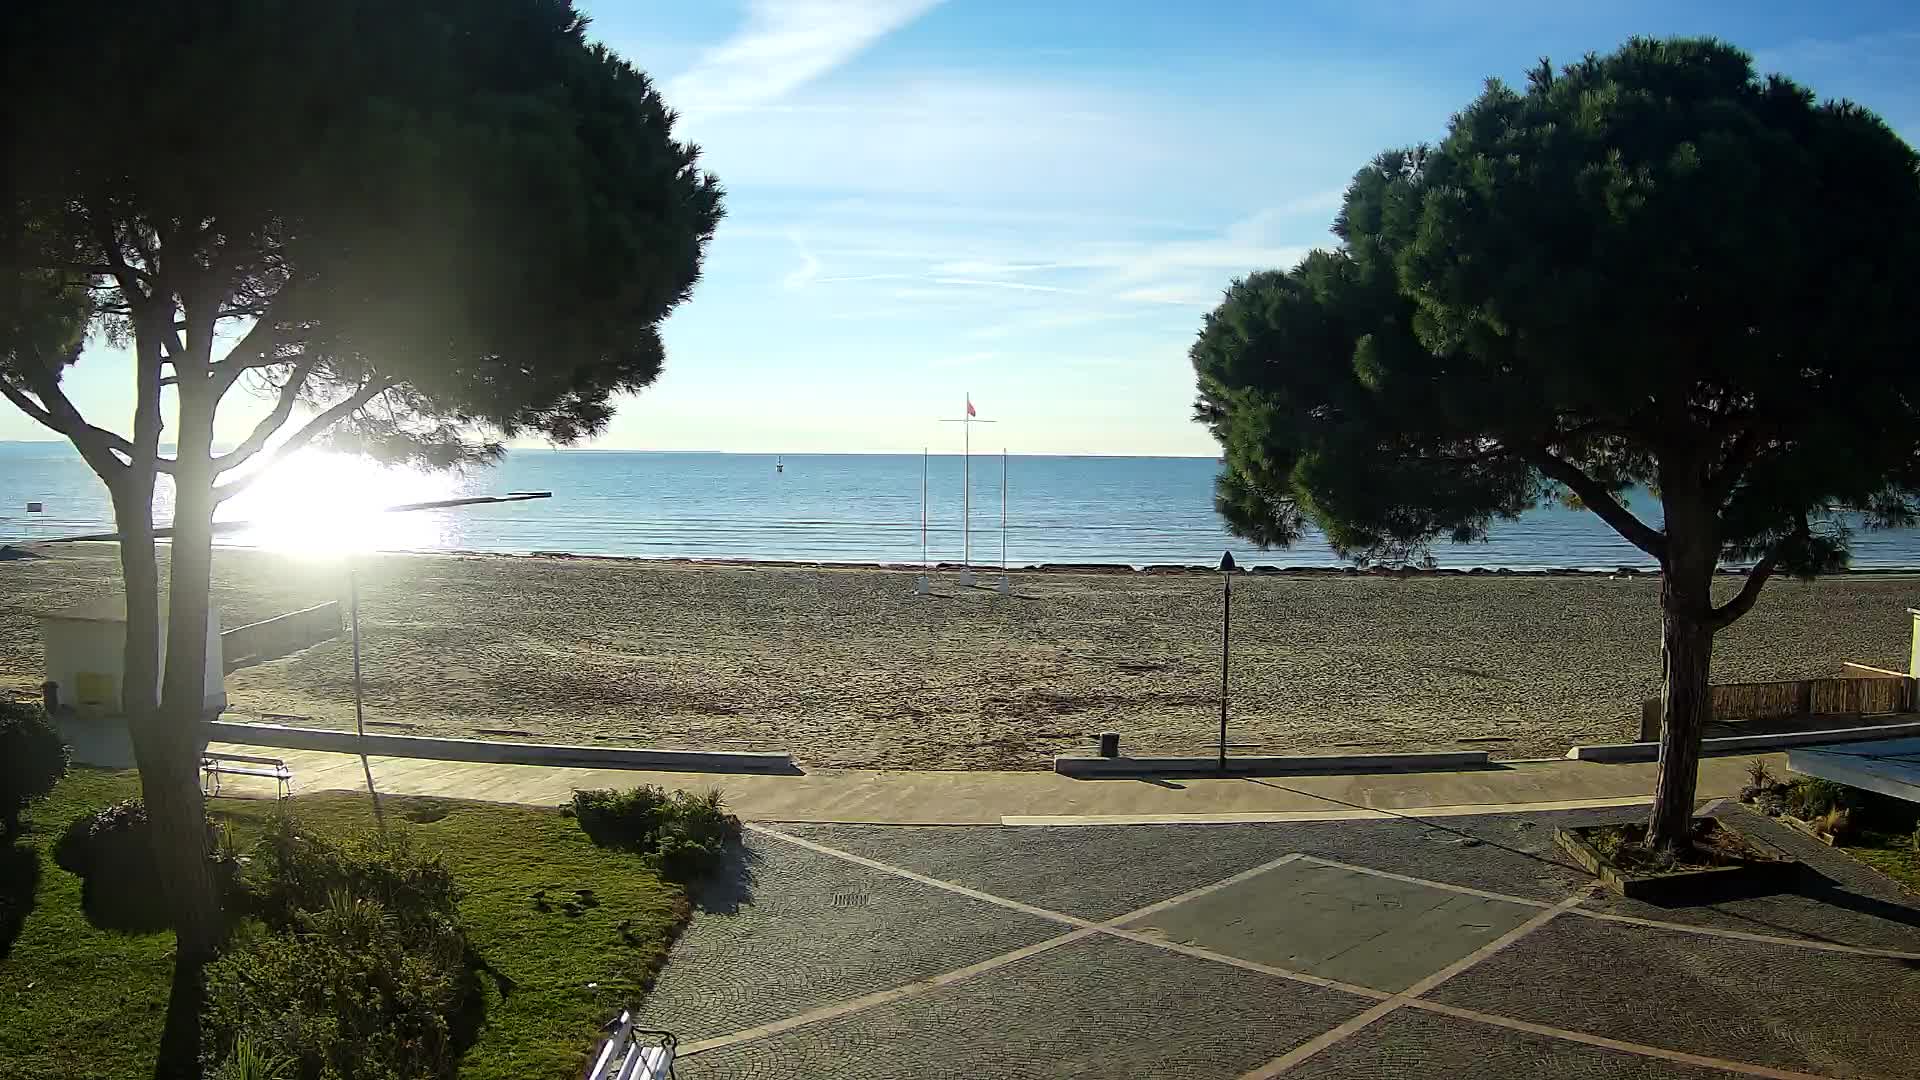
1226 562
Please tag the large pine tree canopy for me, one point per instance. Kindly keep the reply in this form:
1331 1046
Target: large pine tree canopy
1650 268
458 210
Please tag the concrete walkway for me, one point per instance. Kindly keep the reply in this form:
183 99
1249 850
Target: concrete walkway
993 798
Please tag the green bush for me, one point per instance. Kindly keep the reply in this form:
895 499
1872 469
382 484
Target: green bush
1810 797
359 965
298 871
352 993
681 835
113 847
33 758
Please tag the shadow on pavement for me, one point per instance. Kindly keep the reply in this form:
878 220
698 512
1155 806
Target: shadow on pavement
730 888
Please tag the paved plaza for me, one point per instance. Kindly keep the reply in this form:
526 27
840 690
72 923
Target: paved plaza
1456 947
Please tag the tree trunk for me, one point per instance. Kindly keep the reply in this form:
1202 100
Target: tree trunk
1686 659
1686 705
179 821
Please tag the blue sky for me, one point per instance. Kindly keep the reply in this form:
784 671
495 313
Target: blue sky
1036 202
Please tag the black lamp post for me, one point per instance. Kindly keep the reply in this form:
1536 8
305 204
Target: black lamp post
1226 635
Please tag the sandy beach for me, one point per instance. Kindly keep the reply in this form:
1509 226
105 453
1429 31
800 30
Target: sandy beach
846 667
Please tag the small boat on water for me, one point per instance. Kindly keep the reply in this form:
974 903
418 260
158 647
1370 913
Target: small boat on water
779 464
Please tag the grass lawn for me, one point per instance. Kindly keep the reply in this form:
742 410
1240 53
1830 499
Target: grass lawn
79 1000
1892 854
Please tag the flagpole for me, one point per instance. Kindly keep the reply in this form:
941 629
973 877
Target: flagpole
966 493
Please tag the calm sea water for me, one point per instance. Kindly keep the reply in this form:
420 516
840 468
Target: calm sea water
851 508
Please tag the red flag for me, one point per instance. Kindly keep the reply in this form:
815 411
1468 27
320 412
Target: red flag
970 411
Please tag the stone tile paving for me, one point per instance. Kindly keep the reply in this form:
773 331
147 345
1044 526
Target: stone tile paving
1339 924
1093 872
811 929
1414 1045
1838 1014
1095 1008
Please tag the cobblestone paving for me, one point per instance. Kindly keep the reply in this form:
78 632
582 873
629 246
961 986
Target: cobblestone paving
1413 1045
1791 1008
804 931
1095 1008
816 930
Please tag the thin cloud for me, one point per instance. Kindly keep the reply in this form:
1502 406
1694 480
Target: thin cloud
988 283
783 46
806 272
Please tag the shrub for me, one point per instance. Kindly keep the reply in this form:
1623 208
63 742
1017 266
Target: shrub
1836 822
359 966
33 758
682 835
249 1061
113 847
1810 797
301 871
621 819
352 993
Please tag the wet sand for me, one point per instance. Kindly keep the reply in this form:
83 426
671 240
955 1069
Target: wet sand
846 667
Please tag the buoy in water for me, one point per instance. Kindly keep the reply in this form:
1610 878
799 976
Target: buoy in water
35 508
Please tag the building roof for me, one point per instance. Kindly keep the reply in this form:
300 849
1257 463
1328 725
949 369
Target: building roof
111 608
1889 766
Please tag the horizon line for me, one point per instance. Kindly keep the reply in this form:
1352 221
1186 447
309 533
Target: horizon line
758 453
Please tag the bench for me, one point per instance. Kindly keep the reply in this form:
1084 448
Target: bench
214 766
632 1053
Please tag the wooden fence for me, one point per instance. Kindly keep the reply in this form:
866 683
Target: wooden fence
1887 692
282 635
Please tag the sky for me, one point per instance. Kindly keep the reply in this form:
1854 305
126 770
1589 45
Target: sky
1036 203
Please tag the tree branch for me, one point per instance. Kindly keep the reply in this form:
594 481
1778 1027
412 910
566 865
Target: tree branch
254 350
272 422
55 413
1601 501
1743 601
313 429
129 277
1733 465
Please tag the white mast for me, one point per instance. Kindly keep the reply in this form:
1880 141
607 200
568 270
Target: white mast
966 421
966 494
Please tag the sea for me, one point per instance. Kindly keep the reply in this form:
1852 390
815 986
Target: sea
849 508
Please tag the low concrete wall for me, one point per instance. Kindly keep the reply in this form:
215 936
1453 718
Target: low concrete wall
506 753
1733 744
1088 766
282 635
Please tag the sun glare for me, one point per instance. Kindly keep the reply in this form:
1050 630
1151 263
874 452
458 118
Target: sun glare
317 503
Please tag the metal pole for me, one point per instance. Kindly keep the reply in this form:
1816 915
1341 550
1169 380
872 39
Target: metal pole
1003 513
1226 634
966 493
359 715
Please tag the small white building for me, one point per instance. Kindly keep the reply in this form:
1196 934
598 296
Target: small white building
86 652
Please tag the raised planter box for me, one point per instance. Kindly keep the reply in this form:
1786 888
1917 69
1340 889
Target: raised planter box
1771 868
1807 827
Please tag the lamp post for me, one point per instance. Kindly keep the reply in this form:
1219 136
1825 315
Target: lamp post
1226 635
